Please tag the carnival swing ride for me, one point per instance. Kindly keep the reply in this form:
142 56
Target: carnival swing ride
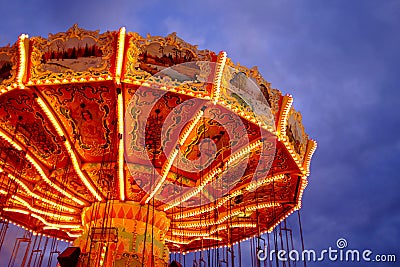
135 148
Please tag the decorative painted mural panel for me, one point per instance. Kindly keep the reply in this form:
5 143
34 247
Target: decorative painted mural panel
22 118
92 121
72 56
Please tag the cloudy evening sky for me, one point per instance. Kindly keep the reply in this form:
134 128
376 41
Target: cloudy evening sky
339 59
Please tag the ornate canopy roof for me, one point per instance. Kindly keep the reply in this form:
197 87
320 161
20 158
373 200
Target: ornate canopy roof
92 117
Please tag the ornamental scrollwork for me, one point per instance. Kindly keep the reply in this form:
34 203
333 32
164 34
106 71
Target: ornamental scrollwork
71 56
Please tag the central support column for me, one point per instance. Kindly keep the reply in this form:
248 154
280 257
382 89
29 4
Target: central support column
116 235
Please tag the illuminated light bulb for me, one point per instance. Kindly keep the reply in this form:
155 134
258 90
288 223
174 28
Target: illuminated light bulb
22 60
27 205
121 159
9 140
49 182
70 226
166 168
120 54
68 147
26 189
218 76
16 210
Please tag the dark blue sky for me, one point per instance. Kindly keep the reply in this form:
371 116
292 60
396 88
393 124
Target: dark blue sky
339 59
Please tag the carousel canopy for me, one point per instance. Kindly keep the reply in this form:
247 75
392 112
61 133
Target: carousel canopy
114 117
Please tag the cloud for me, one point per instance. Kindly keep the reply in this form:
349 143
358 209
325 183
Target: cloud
191 35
